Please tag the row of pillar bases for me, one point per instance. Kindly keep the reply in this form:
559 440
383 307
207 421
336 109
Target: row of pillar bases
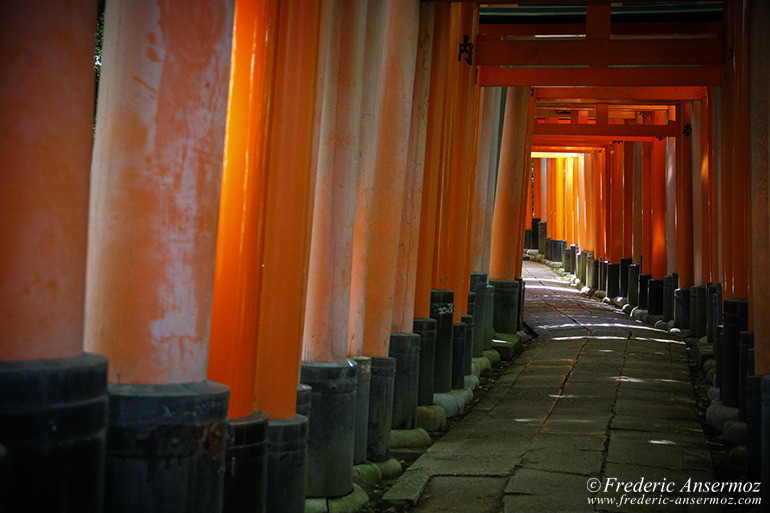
176 446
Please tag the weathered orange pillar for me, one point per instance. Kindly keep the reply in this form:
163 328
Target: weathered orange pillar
156 167
628 199
591 201
740 139
338 115
464 22
648 199
378 243
288 199
432 170
581 198
404 298
600 166
684 201
760 166
658 263
569 200
558 198
481 178
536 188
638 211
506 238
617 194
47 102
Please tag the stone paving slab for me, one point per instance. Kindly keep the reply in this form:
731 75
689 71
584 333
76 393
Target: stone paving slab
596 395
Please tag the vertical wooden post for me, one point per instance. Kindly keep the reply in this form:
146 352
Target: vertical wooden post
639 231
628 199
154 197
404 299
464 22
238 271
536 189
617 194
760 166
338 110
591 201
508 198
431 179
287 210
569 201
558 199
377 244
657 260
684 201
46 96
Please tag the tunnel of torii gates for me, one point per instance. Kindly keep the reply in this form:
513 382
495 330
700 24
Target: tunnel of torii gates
279 191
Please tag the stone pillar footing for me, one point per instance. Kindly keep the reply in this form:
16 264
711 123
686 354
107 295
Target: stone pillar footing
246 464
331 430
287 464
39 471
166 447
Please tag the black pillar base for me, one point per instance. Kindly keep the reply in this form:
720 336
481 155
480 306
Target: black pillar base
363 380
625 263
478 286
542 235
166 448
442 309
613 281
458 355
682 308
506 308
468 356
405 349
426 329
745 369
287 464
668 298
331 431
246 465
380 408
655 297
633 284
644 280
53 420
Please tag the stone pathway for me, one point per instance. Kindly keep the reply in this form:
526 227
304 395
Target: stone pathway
596 400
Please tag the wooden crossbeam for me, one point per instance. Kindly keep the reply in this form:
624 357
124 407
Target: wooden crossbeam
496 76
493 31
613 131
595 52
634 94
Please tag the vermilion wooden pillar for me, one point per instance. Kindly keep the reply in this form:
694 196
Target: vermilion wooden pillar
154 195
506 235
647 205
464 21
338 115
760 165
378 244
569 201
628 199
404 299
493 156
536 189
684 201
558 199
526 159
433 159
738 17
288 203
480 188
582 198
46 96
600 195
238 270
707 189
657 262
590 202
617 194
